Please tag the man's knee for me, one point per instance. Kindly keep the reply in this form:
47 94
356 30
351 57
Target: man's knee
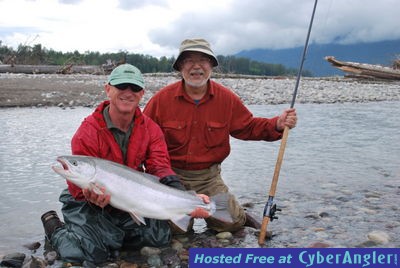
74 249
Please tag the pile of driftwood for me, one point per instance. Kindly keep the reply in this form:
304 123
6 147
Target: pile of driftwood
369 71
53 69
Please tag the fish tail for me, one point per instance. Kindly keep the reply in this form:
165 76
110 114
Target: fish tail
182 222
219 207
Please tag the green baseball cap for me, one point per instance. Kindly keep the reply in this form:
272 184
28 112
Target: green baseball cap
197 45
126 74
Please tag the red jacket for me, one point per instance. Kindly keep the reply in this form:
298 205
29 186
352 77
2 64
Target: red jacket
146 145
197 135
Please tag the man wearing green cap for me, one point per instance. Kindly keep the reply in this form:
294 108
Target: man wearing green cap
117 131
197 116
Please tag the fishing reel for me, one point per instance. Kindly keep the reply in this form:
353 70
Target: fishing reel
270 210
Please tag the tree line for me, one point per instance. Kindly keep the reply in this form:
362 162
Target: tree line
39 55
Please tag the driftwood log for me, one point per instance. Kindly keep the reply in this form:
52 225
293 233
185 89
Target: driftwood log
364 70
52 69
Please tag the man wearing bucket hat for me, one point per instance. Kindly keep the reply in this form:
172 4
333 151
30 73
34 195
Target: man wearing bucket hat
118 131
198 116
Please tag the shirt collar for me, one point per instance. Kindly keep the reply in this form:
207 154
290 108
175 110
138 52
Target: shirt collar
109 123
107 118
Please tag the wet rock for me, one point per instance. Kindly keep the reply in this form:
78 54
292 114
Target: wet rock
224 235
225 242
248 205
344 198
13 260
367 244
312 216
32 246
182 238
50 257
125 264
268 234
154 261
242 233
87 264
176 245
323 214
149 251
319 245
169 257
184 255
35 262
378 237
206 239
132 257
392 225
108 265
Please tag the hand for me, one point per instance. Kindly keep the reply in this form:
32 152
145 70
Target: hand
99 199
287 118
173 181
201 212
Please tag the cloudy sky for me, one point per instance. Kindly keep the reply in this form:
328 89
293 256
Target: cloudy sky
156 27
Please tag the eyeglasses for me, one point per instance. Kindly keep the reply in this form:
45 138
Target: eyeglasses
133 87
191 61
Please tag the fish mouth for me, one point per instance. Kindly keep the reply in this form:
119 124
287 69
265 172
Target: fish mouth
64 166
63 163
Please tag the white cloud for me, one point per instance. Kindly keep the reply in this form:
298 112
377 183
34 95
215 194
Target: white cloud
156 27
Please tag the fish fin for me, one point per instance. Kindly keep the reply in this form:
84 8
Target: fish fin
95 188
220 205
182 222
136 218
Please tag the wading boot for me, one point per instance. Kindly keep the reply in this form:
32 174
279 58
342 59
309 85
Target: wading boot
51 222
251 222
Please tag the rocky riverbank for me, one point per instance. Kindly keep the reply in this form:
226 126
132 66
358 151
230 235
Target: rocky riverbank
25 90
175 255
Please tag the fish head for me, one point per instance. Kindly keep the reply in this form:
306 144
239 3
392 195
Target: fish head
80 170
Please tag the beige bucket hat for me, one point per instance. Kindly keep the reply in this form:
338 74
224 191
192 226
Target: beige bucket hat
197 45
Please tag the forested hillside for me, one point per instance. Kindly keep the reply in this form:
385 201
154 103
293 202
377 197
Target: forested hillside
38 55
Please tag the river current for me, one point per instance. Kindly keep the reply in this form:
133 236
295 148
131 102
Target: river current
339 180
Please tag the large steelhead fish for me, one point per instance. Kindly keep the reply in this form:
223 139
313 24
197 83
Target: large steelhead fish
140 194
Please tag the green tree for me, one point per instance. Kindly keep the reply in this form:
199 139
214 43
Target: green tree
147 64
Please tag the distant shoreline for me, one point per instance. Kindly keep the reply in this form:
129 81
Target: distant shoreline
44 90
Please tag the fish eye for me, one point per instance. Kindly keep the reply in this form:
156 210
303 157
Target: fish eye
74 162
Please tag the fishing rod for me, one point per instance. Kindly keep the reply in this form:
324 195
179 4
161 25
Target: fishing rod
270 208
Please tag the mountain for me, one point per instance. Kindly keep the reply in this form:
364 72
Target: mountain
383 53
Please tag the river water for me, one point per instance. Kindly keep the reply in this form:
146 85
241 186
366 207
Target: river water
339 181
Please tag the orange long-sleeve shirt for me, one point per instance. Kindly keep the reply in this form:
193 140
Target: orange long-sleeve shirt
197 135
